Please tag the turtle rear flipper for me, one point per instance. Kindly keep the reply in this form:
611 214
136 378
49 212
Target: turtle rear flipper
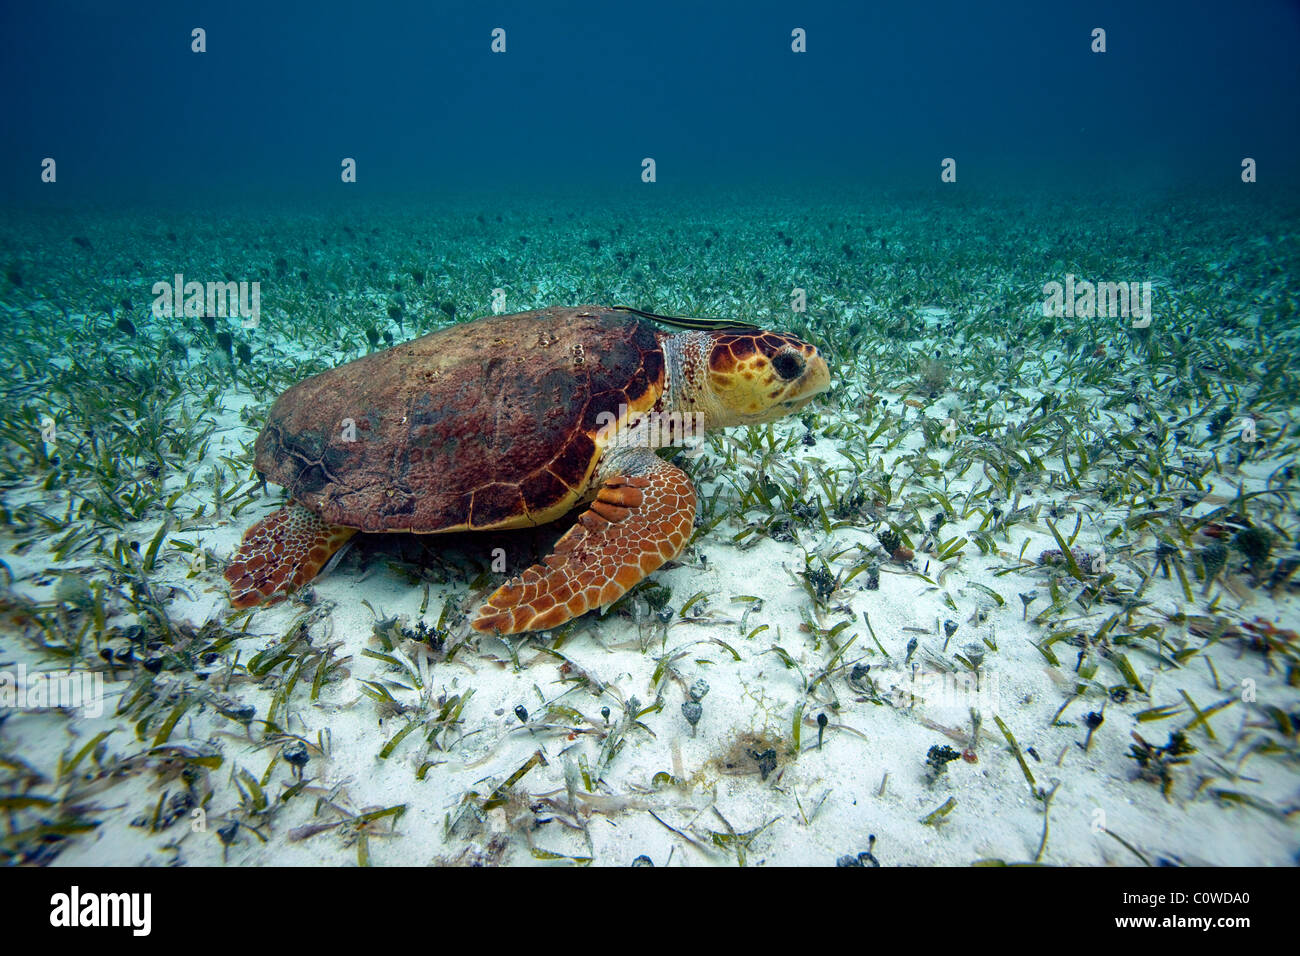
642 517
281 553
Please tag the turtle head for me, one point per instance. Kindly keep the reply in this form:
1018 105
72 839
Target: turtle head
742 377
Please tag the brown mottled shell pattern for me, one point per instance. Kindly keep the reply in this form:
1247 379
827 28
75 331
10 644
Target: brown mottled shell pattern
488 424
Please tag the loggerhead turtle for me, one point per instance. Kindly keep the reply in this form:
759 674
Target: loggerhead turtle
511 421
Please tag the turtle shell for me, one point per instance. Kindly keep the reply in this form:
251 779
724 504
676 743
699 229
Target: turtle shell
488 424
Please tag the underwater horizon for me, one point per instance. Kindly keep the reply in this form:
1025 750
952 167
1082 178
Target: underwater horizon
580 95
310 331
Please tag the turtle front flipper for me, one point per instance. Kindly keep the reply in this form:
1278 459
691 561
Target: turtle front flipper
281 553
642 517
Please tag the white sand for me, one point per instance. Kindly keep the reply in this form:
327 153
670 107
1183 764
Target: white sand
869 776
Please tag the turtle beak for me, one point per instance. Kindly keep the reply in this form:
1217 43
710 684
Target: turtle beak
816 378
817 375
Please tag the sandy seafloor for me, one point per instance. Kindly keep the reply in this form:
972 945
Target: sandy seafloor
1132 441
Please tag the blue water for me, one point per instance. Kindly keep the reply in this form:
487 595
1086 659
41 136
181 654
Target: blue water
586 90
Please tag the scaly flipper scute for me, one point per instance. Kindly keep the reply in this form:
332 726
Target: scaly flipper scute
642 517
281 553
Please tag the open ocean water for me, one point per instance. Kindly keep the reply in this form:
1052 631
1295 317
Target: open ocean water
1047 506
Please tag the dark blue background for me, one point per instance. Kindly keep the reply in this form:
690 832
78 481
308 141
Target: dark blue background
712 91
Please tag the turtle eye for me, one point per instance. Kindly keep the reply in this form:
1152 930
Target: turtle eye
789 365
